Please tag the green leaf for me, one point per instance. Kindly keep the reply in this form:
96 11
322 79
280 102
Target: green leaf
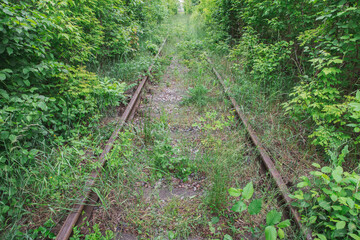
337 208
270 233
338 61
331 70
42 105
2 76
248 191
12 138
235 192
316 173
284 224
273 217
227 237
358 95
326 178
325 205
171 235
321 237
312 219
337 174
255 206
281 233
351 226
9 50
316 165
354 236
340 225
333 197
7 70
4 94
357 195
326 170
350 202
302 184
239 207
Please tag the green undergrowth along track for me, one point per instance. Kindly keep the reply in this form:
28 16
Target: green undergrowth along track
170 173
67 69
185 166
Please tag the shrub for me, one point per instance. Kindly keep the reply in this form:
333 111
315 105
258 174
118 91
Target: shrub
308 48
330 203
47 96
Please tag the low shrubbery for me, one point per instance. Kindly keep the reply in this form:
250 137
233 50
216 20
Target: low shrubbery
329 203
49 99
306 48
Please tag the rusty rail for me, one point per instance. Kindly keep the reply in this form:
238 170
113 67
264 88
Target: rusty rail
88 201
266 159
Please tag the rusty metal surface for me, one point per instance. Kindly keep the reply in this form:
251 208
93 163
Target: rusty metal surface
266 159
82 208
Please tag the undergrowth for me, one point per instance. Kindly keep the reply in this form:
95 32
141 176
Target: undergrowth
66 74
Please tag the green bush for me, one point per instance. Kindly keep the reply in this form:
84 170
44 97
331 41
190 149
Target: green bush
264 63
48 96
330 203
306 48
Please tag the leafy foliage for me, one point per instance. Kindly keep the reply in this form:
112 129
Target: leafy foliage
329 203
48 96
308 46
274 226
94 234
167 161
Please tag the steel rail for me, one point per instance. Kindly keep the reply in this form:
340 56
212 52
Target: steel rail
88 201
265 158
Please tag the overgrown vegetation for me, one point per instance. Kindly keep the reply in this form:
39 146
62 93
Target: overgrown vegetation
310 47
302 55
56 87
274 226
197 96
330 203
68 67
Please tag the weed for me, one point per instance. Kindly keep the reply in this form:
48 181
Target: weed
167 159
42 232
197 96
274 226
94 234
220 179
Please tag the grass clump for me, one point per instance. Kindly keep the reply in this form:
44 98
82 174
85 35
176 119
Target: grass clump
197 96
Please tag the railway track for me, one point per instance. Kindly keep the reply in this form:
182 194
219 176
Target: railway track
83 210
267 161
